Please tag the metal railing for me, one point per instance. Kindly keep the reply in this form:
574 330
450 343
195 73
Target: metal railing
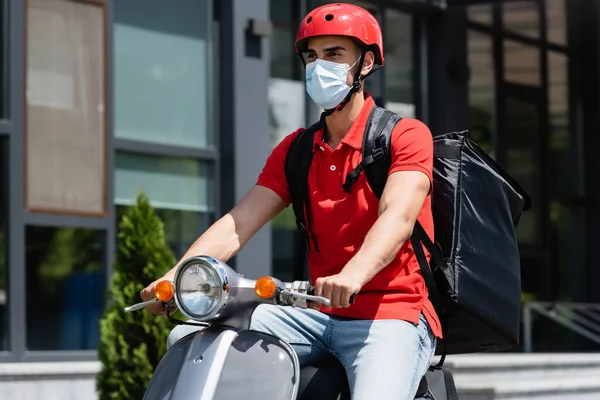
582 318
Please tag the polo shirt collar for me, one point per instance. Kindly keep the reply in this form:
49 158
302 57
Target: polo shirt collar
354 136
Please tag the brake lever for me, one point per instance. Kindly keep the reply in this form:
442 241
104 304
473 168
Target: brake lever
311 290
317 299
139 306
311 297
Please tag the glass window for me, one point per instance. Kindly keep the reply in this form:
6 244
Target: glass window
284 60
181 190
523 158
399 63
522 17
521 63
481 90
286 108
65 135
3 59
563 185
481 13
559 142
65 287
3 239
556 12
161 72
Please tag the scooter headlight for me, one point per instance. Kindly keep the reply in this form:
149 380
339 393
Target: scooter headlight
200 289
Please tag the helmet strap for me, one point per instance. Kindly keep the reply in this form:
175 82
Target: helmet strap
356 86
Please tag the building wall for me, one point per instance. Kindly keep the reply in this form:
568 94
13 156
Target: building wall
100 99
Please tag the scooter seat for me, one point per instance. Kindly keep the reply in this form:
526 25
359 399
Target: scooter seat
328 381
325 381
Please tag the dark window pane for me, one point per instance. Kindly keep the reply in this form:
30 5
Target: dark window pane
523 162
284 61
521 63
284 241
565 185
556 12
562 183
3 238
3 60
481 13
65 287
481 90
522 17
399 63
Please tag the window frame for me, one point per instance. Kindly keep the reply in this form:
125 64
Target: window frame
5 86
20 217
5 194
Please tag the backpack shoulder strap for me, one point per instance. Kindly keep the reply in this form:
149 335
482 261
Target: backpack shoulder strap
376 159
376 163
297 165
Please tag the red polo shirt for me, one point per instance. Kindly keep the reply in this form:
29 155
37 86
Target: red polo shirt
340 221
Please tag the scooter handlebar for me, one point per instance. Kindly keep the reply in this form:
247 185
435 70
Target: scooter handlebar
311 291
305 296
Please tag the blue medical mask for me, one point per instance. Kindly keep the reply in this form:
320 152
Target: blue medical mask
326 82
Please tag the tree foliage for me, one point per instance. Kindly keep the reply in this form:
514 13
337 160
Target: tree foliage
132 344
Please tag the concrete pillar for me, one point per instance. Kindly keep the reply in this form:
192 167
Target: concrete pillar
243 73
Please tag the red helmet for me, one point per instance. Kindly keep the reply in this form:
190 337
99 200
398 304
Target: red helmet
342 19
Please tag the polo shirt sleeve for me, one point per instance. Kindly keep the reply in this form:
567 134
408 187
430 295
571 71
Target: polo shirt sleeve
273 172
412 148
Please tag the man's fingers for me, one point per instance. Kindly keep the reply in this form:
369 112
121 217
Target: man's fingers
345 299
319 287
327 290
336 293
144 295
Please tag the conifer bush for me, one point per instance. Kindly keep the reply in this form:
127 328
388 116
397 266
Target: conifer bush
132 344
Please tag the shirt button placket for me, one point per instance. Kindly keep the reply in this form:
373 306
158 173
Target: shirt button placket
333 176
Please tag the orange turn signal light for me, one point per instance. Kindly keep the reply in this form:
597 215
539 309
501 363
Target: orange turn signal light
164 291
265 287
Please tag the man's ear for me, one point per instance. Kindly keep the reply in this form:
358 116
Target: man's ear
368 63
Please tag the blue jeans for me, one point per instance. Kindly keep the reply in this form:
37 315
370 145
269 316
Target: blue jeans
384 359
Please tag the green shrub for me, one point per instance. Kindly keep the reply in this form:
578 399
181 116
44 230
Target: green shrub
132 344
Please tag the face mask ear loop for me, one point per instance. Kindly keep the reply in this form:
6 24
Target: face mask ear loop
355 87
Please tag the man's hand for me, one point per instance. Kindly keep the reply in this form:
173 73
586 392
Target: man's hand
338 288
148 294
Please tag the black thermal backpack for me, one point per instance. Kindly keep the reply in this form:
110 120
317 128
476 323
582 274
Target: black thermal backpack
474 280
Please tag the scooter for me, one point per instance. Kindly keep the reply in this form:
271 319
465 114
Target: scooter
224 359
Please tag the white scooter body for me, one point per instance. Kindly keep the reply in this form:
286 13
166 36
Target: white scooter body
225 360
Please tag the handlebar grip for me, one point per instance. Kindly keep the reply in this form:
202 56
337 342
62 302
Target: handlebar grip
311 291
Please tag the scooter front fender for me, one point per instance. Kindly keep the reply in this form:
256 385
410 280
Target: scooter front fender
225 363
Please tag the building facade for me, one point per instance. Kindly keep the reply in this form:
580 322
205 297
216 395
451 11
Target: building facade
184 99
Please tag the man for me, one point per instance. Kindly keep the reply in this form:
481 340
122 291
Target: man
386 338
